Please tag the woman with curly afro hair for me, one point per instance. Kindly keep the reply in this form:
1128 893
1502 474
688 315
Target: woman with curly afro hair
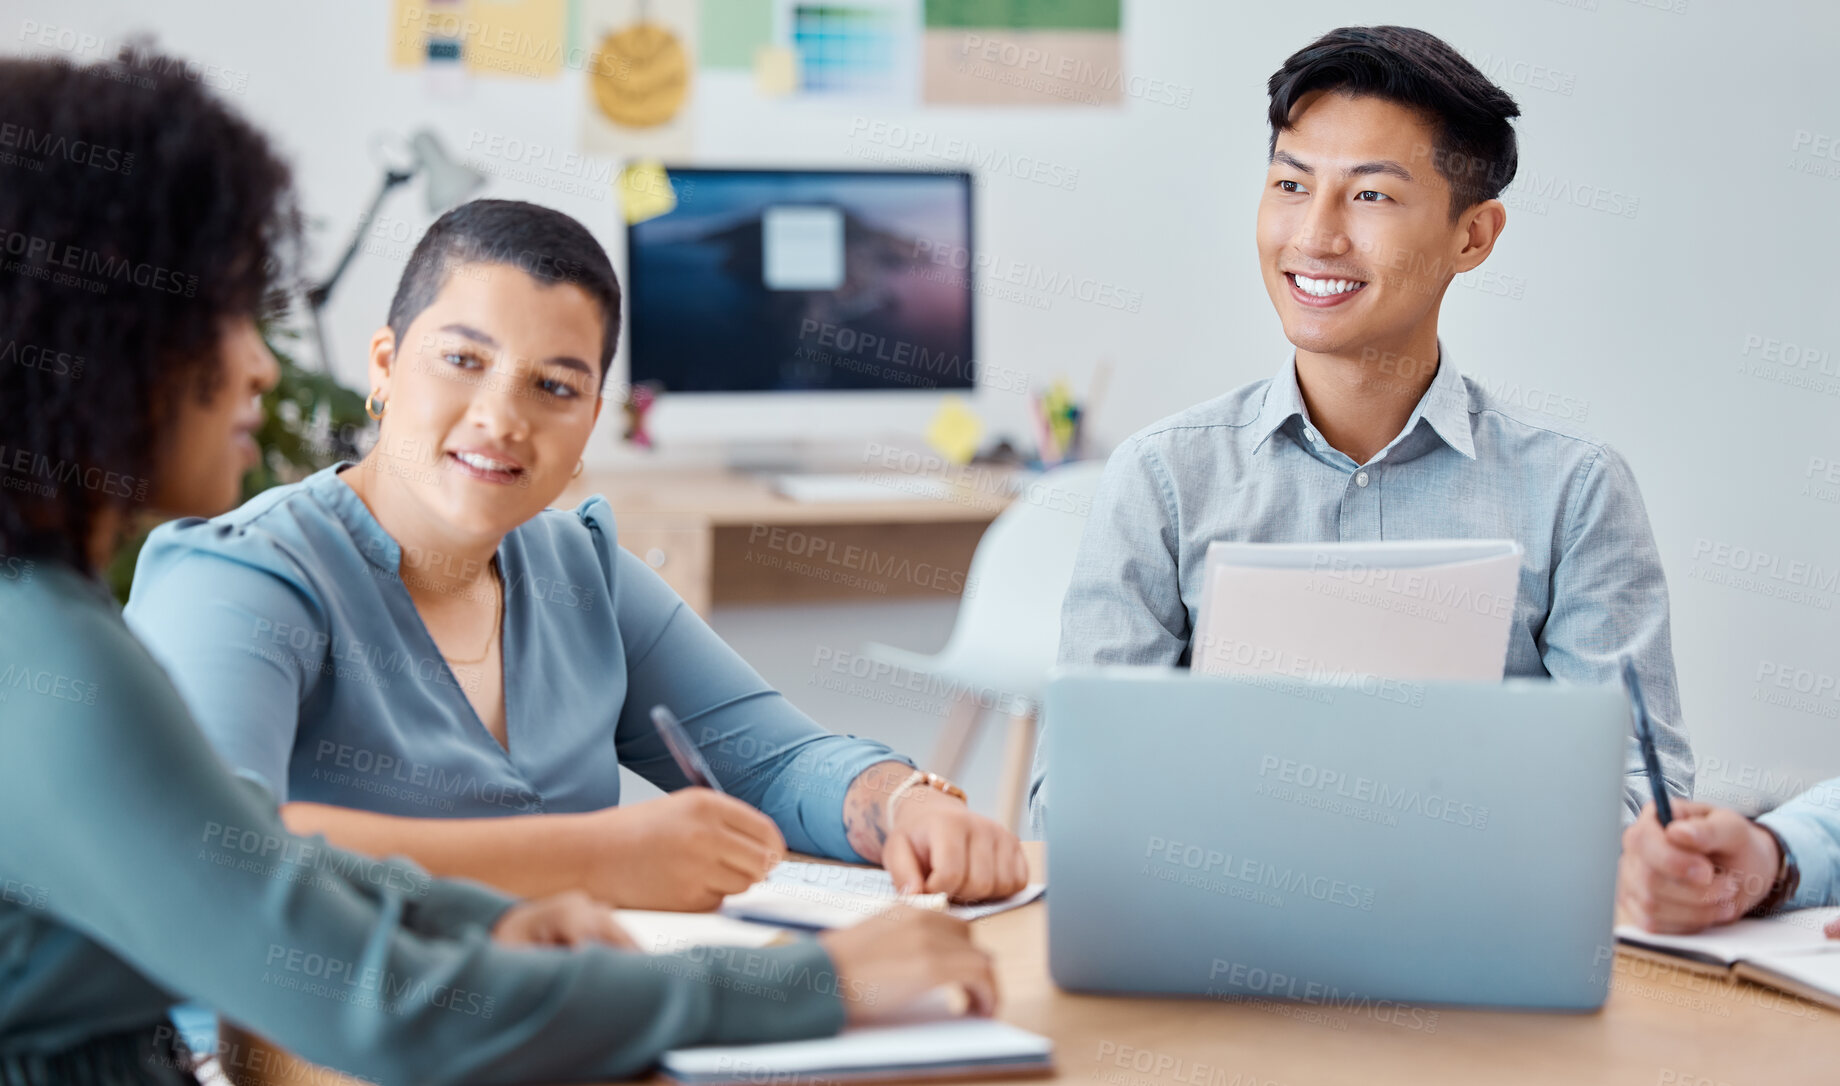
142 227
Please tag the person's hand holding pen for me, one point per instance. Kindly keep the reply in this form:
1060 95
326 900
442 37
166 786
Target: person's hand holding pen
1708 866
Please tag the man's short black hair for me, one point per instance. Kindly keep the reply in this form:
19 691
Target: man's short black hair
1474 147
542 242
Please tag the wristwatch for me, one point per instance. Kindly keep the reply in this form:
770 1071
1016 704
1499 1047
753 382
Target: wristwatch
1788 876
914 780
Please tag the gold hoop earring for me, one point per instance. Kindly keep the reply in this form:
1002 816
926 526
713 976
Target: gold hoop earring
579 464
373 406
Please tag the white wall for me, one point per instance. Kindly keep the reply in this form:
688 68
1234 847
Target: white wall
1699 116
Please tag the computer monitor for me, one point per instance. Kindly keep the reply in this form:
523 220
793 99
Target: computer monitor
803 280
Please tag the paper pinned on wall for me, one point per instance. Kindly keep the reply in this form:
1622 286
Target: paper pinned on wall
645 191
733 30
1023 53
641 83
520 39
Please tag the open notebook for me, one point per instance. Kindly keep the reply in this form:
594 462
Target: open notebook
821 896
1786 951
930 1039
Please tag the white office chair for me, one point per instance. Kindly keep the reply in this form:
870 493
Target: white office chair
1009 625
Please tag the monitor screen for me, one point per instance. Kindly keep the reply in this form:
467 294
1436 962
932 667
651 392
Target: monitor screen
795 280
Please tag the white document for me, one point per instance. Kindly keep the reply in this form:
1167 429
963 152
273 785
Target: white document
668 932
808 895
1419 610
913 1049
802 248
1791 933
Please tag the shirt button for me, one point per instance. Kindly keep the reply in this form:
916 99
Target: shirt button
1360 478
1309 433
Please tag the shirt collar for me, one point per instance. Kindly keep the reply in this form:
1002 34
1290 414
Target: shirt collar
1444 406
378 546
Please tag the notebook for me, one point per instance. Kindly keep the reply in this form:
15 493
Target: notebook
958 1047
1418 610
1786 951
667 932
822 896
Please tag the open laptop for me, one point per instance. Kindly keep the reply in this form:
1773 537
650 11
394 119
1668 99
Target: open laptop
1260 837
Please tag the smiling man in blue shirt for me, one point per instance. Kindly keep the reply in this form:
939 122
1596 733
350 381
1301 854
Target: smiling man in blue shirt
1388 151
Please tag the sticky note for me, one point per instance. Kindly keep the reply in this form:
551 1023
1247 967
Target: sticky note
644 190
776 71
954 432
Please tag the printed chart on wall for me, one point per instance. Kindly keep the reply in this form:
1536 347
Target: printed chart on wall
641 76
1022 53
816 48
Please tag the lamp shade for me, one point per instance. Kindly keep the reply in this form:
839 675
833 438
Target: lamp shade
447 180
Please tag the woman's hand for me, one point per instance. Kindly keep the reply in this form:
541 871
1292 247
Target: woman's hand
683 852
938 846
566 919
885 963
935 844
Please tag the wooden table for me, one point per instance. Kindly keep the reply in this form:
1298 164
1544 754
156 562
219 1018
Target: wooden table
720 536
1663 1026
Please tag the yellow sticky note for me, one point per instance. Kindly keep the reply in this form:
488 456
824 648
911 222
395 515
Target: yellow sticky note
644 190
954 432
523 39
776 71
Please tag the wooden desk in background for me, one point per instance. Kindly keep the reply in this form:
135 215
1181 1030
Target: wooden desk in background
1663 1026
721 537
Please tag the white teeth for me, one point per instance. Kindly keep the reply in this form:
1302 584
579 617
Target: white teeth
483 463
1323 288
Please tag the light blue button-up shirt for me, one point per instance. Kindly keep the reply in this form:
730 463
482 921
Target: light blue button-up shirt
1810 825
1250 466
286 627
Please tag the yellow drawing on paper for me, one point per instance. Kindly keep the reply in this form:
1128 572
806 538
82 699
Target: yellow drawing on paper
641 75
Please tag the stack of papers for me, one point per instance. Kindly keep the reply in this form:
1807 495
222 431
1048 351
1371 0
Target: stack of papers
1432 609
1786 951
822 896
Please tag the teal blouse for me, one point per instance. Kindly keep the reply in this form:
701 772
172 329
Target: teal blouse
135 870
286 627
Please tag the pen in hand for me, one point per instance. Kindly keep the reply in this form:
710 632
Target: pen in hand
1645 738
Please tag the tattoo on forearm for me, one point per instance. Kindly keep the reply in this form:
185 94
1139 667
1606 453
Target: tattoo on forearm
865 808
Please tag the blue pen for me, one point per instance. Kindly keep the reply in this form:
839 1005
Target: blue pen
683 751
1645 737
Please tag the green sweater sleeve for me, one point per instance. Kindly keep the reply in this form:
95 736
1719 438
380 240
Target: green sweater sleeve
143 842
